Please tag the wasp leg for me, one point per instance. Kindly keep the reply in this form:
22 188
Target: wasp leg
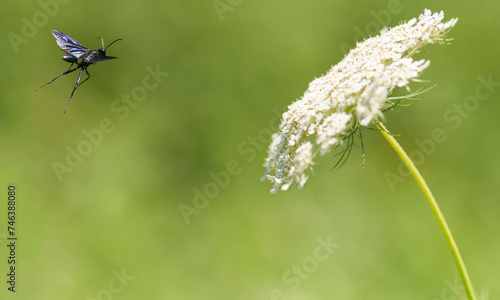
86 71
74 89
63 73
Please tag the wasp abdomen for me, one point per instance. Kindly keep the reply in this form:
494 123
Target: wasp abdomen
70 58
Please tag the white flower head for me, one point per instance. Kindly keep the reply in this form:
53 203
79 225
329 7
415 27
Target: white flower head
350 95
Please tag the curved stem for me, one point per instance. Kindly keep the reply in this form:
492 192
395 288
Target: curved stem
435 208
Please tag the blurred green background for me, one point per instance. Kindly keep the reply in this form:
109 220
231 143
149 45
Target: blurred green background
111 227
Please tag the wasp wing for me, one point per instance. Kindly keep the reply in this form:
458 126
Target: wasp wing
69 45
96 59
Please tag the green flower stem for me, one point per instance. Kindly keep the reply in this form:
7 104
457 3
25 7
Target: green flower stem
435 208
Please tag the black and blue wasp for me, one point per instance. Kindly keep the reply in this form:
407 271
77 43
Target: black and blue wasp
79 55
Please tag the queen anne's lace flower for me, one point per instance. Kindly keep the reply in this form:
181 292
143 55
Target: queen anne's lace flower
351 94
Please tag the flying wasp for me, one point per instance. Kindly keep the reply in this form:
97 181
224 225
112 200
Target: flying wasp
79 55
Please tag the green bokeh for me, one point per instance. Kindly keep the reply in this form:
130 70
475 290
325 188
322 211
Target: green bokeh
118 209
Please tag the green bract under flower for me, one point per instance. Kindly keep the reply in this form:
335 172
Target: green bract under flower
350 95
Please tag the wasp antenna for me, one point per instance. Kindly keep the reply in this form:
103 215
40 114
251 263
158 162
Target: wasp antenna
113 43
